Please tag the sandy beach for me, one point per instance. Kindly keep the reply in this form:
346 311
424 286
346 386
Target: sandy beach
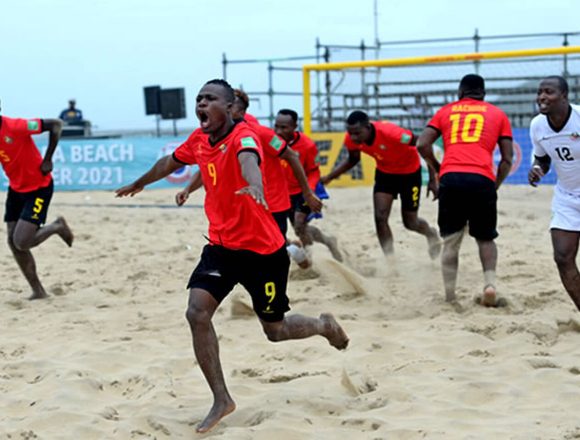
108 355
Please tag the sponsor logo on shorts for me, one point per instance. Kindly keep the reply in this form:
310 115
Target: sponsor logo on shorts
249 142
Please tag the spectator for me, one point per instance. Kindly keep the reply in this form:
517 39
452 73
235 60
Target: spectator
418 113
72 115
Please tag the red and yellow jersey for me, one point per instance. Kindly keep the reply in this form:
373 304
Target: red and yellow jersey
470 129
308 154
275 186
19 156
235 221
390 147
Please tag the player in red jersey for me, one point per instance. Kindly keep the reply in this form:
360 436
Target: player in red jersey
398 172
275 189
300 213
467 185
30 191
245 246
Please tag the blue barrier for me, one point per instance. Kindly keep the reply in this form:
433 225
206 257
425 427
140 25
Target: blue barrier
106 164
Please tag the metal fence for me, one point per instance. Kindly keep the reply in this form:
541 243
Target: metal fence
278 84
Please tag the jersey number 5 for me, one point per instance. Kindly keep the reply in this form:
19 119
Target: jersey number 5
468 127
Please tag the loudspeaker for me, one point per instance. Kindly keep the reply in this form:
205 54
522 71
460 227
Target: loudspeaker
152 100
172 103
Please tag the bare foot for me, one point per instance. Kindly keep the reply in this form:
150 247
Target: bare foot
333 247
217 412
488 298
40 294
434 246
334 332
65 232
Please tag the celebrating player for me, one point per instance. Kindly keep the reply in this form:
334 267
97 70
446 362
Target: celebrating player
30 191
555 134
246 245
398 172
300 213
467 188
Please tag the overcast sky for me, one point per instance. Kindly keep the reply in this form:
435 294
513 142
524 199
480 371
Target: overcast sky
103 52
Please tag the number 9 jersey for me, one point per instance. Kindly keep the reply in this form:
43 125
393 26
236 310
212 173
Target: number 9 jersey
470 129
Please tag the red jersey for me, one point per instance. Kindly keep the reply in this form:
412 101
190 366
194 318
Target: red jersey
235 221
250 119
390 147
308 152
471 129
275 188
19 156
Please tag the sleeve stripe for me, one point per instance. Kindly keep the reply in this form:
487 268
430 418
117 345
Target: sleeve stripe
177 160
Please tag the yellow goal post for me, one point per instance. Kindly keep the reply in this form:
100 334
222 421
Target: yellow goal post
416 61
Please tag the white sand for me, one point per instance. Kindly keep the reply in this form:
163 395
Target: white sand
108 355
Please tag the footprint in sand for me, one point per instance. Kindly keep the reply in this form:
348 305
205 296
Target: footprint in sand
259 418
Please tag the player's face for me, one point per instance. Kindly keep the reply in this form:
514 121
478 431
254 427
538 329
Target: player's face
212 108
284 126
359 133
238 110
550 98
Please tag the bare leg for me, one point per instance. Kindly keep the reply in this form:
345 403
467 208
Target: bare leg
382 203
565 244
300 327
450 263
308 234
27 265
488 257
199 313
413 222
27 235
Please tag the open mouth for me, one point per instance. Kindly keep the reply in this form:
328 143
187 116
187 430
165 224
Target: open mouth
203 119
543 106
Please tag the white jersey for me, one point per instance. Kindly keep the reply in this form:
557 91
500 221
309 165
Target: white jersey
563 148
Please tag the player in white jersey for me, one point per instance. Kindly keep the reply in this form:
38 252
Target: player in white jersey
555 134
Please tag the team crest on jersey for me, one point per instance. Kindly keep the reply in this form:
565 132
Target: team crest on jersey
8 139
223 148
382 147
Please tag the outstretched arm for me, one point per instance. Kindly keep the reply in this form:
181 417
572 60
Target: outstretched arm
194 184
162 168
292 157
54 127
251 173
505 164
343 167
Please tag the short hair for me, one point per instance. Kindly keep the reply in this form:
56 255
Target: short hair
562 83
288 112
357 117
226 85
472 82
243 97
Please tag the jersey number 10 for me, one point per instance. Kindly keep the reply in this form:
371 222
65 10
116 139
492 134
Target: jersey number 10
466 128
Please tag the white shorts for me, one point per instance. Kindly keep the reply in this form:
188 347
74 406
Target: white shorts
565 211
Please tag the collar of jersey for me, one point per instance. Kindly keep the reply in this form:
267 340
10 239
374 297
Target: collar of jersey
217 141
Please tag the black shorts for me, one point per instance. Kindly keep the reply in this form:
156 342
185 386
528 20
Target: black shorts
264 277
466 198
281 218
408 185
298 204
30 206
